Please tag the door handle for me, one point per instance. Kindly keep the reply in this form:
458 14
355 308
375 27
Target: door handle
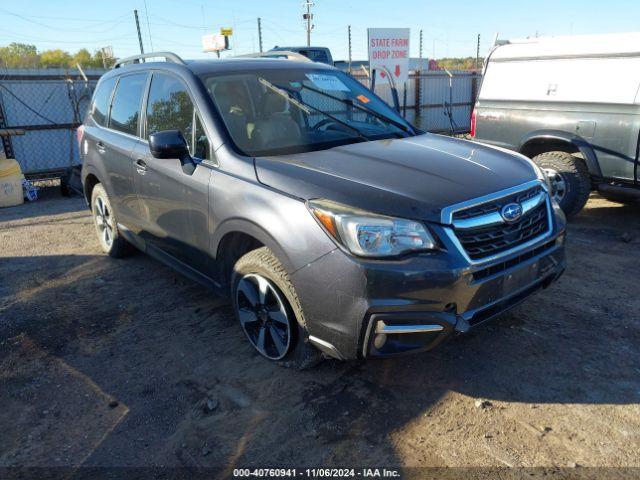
100 146
141 166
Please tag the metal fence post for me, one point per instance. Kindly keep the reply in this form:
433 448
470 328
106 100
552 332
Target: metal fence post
6 140
474 88
418 93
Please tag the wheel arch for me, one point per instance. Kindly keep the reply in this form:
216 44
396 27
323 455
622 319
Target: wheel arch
542 141
237 237
89 183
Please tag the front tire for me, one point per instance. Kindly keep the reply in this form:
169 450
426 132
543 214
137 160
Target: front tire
106 224
569 179
269 312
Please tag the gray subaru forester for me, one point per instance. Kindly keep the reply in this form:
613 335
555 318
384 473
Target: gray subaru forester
337 227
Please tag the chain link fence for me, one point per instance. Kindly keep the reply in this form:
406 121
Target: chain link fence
48 107
434 101
45 108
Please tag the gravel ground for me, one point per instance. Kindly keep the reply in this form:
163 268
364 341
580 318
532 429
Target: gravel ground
109 362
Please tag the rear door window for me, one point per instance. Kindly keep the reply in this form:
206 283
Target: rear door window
125 108
100 106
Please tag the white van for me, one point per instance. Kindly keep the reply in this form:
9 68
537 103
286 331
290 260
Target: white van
573 105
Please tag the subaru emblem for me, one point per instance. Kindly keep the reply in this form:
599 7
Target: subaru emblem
511 212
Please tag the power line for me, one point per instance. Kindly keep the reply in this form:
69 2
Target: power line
88 29
26 105
146 13
48 40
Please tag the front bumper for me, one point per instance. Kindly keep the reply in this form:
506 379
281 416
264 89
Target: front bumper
367 308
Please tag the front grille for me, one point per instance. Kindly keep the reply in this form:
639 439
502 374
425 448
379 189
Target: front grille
485 241
502 266
496 205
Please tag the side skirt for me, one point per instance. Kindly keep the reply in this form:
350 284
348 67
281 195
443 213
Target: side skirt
171 261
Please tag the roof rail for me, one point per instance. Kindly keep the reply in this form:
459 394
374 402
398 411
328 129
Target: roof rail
168 56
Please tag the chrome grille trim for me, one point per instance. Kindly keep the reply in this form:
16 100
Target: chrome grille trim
446 216
494 218
468 223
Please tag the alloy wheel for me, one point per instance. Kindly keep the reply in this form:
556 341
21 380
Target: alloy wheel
558 184
263 315
104 222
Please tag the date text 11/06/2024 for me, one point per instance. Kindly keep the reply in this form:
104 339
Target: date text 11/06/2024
316 473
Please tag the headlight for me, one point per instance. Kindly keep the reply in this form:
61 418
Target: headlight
369 235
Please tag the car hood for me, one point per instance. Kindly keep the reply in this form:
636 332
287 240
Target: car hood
412 177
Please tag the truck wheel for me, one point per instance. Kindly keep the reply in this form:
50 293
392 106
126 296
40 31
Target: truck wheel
569 178
107 226
269 312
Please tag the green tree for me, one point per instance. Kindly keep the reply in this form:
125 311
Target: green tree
466 63
19 55
55 58
83 57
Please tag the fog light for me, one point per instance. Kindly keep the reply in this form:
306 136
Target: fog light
379 340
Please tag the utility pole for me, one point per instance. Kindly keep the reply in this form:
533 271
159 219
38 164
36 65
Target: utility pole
260 33
478 53
349 48
420 44
135 14
308 17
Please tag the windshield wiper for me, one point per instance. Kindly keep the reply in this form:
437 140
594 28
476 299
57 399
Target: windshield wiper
305 107
348 101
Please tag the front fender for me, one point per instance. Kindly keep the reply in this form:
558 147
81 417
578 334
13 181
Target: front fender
279 221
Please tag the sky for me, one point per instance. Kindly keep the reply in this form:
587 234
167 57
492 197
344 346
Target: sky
450 28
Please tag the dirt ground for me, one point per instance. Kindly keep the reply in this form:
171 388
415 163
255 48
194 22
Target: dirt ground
109 362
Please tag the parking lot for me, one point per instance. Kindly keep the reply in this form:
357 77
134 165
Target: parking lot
109 362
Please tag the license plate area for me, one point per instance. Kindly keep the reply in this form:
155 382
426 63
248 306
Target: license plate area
520 278
508 283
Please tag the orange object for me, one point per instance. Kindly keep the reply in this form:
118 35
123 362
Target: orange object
326 219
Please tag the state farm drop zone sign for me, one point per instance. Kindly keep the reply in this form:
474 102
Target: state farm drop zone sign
389 47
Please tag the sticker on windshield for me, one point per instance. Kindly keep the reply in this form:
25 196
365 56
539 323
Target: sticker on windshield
327 82
363 99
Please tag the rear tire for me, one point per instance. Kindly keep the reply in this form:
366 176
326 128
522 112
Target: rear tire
569 177
273 321
112 243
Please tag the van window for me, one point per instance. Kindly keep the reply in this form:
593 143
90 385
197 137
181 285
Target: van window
169 106
125 108
101 99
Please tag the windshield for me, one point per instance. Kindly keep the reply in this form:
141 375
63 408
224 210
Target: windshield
278 112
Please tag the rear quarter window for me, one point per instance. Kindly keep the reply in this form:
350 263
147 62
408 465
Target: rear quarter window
100 104
125 108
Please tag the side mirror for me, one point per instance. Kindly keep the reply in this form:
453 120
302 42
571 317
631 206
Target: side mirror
168 144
